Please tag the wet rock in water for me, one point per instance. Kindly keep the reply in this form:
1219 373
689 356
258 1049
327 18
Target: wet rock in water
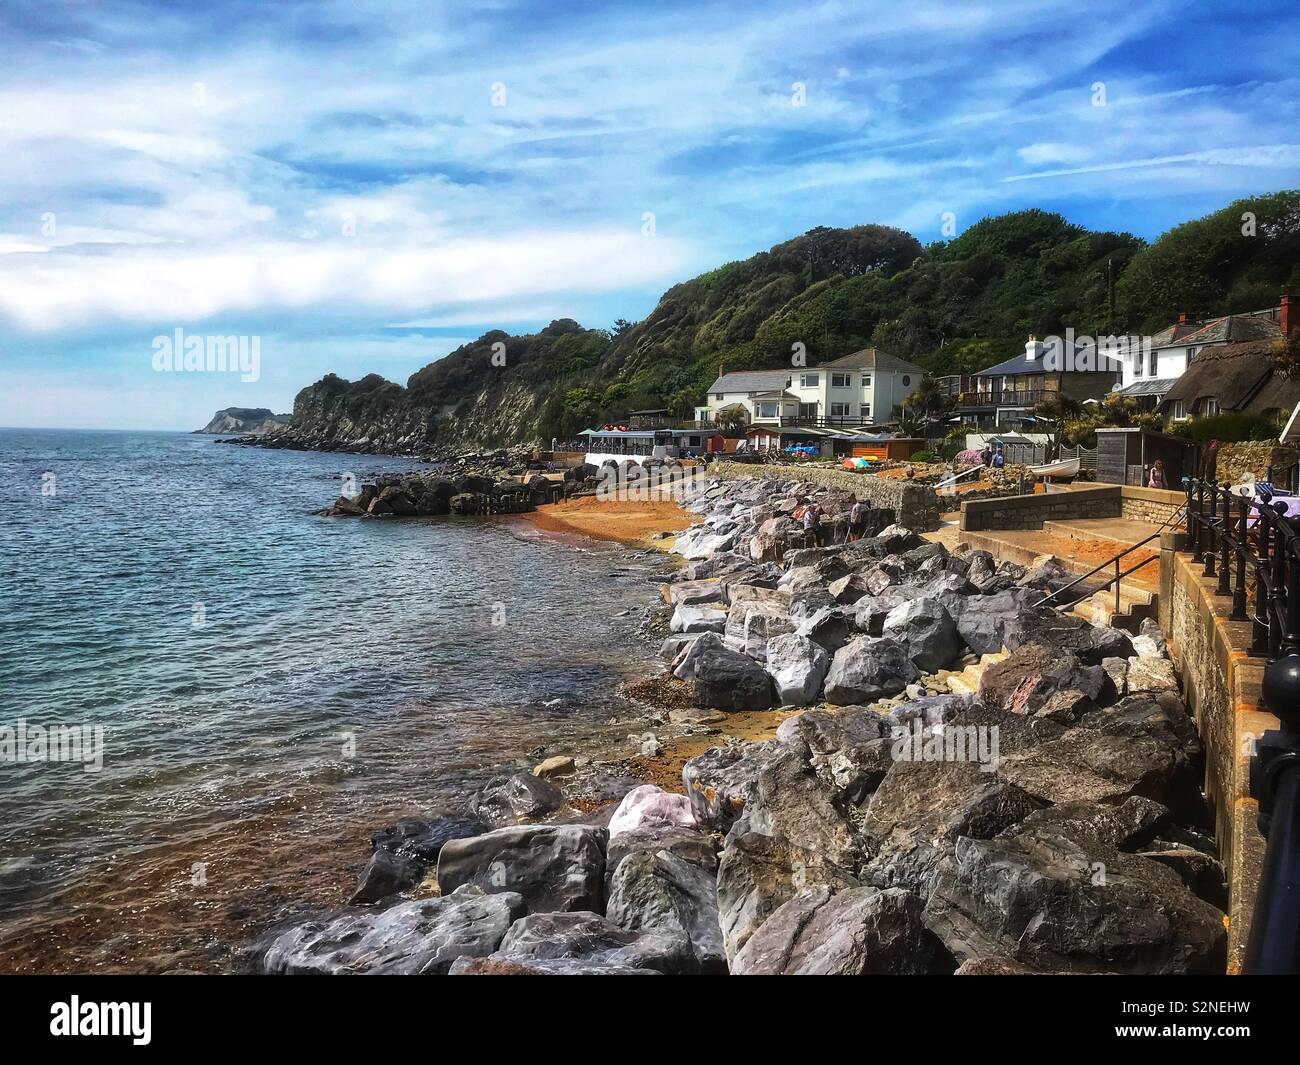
797 666
651 806
720 781
386 874
1042 681
421 937
557 942
927 631
1057 903
553 867
757 874
725 679
855 932
556 766
868 667
422 840
507 800
1085 765
667 893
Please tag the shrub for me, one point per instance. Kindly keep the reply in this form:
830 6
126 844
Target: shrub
1230 428
924 456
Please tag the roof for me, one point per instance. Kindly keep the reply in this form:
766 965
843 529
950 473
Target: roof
1239 376
1023 364
1151 387
871 359
751 381
1233 329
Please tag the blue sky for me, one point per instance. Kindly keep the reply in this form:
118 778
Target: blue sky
364 186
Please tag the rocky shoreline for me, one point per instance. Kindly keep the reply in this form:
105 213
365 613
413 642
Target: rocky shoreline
961 782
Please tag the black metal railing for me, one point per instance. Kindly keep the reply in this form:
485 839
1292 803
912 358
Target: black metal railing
1253 550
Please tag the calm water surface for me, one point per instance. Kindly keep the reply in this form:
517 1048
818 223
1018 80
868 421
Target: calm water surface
235 648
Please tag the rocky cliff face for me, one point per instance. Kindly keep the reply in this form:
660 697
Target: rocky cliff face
252 421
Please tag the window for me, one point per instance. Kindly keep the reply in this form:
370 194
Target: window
809 380
841 380
866 380
807 410
865 410
906 380
1137 363
1153 363
839 410
1209 407
769 409
1179 411
717 396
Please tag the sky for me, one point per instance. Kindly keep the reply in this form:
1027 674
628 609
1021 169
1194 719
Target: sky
362 187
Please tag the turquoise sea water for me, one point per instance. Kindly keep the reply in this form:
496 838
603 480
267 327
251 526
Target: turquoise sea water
271 685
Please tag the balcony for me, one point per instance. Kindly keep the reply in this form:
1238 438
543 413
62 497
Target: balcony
1003 398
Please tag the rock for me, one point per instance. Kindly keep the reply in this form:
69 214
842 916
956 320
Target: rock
693 652
553 867
1151 674
1150 641
516 797
668 894
386 874
773 538
1044 681
870 611
849 589
1046 573
695 593
1067 632
1117 673
422 840
897 538
725 679
982 620
542 939
720 782
1202 873
693 618
797 666
927 631
758 874
550 967
556 766
848 749
671 649
868 667
420 937
1059 904
1131 824
750 624
1087 766
1162 716
855 932
689 843
651 806
831 627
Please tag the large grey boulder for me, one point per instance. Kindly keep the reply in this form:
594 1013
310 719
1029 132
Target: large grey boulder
720 782
750 624
386 874
553 867
869 667
556 942
982 619
797 666
725 679
1068 633
926 629
516 797
855 932
697 617
1071 904
665 892
420 937
870 611
758 874
848 749
830 627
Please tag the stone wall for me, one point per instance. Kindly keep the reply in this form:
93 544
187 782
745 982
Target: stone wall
1030 511
1221 687
914 505
1254 457
1157 505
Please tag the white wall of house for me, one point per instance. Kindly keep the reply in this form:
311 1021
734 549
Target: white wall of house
1162 364
824 392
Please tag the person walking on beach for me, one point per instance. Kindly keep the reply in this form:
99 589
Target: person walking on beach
857 520
812 526
1157 479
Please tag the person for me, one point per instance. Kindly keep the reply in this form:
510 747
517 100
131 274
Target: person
857 520
986 456
1157 479
812 526
999 459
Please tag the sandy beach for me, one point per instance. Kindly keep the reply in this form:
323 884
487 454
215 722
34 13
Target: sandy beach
631 522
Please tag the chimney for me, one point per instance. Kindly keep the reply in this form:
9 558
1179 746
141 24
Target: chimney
1286 318
1182 318
1033 348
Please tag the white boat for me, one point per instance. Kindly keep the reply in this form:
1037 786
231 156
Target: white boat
1064 468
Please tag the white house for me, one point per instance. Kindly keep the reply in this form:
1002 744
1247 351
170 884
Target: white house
862 388
1150 370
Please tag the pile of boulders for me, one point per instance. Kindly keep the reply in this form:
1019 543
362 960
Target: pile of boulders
978 784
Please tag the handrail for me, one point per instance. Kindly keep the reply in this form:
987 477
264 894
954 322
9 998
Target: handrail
1114 559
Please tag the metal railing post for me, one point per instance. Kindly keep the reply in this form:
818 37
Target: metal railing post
1239 593
1225 525
1259 630
1113 616
1191 525
1211 528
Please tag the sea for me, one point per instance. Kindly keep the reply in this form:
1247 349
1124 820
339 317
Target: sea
235 691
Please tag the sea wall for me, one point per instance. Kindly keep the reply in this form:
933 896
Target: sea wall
914 505
1252 457
1157 505
1030 511
1221 686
